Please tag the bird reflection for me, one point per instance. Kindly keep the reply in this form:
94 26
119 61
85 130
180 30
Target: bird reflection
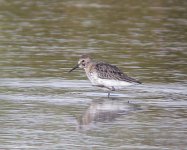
106 111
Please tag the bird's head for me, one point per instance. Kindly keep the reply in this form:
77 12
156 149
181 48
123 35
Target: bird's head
83 62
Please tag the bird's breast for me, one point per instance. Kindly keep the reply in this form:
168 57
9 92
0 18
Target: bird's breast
93 78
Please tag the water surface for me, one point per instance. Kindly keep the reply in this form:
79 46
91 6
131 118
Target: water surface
42 106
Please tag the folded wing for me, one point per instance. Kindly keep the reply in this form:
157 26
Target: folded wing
107 71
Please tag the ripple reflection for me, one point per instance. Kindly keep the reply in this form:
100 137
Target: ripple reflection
105 111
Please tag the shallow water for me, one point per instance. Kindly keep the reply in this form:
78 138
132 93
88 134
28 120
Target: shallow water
42 106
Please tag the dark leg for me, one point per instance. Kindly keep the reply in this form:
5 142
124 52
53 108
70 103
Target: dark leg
108 94
101 86
111 89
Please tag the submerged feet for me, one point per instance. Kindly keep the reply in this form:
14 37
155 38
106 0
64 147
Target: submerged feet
111 89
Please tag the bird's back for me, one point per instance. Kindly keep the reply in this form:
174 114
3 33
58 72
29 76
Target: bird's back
111 72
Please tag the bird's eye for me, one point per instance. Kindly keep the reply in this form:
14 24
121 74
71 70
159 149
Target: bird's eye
82 60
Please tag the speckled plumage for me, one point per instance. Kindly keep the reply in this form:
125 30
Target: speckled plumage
107 71
104 75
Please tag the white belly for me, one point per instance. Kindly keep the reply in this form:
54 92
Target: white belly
117 84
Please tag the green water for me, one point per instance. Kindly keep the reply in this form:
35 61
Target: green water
42 106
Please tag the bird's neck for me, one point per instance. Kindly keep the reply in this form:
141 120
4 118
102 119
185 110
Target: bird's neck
89 67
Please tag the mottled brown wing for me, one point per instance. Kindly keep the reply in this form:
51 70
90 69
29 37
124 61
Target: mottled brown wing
107 71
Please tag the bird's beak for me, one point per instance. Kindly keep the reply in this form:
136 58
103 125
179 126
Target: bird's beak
77 66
